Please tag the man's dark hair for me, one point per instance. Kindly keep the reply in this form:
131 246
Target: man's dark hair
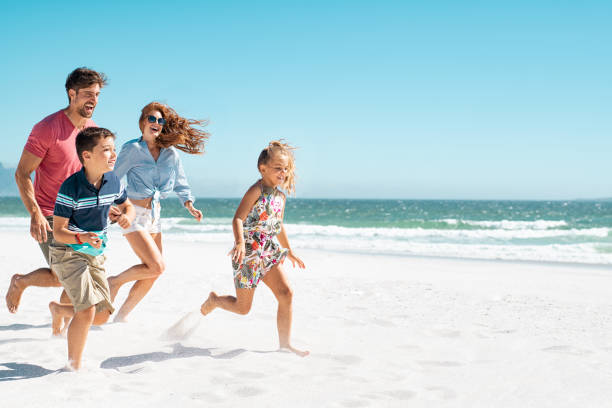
88 138
83 78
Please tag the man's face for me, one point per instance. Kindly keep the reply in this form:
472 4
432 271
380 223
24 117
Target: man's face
85 100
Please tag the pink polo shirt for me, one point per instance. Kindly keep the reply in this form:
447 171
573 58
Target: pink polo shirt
53 140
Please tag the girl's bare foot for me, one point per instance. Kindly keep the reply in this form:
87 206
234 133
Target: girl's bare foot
210 304
292 349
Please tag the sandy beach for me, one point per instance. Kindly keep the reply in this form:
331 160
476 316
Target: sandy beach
382 330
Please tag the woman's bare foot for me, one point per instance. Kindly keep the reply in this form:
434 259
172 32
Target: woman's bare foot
120 319
13 295
210 304
292 349
57 318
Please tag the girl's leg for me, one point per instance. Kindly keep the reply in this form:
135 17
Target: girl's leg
148 248
241 303
278 283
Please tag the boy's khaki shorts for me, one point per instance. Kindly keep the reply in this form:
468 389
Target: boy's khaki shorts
83 276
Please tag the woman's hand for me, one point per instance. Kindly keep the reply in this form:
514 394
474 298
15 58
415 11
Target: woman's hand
294 259
197 214
238 252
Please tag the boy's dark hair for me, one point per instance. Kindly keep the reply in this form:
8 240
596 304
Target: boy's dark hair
88 138
83 78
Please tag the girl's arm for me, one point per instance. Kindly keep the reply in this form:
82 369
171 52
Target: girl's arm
65 236
247 203
284 241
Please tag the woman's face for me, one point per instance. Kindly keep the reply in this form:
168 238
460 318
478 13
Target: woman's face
152 128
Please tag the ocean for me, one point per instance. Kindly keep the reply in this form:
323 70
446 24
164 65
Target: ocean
550 231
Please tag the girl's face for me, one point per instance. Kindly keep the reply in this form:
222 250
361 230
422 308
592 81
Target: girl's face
273 173
152 128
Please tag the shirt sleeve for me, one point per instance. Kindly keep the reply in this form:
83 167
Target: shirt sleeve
122 196
181 187
64 204
40 140
122 165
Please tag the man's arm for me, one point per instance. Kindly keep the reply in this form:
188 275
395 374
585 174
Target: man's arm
28 163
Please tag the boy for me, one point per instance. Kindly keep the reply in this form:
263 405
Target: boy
80 221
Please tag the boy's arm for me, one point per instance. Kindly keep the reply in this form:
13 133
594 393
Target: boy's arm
128 213
65 236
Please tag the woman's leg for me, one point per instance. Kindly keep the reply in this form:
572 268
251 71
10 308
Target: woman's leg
148 248
278 283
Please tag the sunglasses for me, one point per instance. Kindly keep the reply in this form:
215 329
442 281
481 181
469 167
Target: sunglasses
153 119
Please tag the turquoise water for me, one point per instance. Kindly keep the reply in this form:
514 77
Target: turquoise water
562 231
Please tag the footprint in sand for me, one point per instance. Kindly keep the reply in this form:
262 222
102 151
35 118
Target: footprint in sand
569 350
355 403
442 393
448 333
341 358
400 394
434 363
247 391
382 323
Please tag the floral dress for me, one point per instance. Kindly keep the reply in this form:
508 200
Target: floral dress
263 251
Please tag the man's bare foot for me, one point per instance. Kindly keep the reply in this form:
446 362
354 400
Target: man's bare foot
292 349
113 287
13 295
210 304
57 318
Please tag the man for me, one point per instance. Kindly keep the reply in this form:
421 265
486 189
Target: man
50 152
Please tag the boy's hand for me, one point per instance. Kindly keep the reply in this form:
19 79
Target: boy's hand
294 259
238 252
91 238
114 214
197 214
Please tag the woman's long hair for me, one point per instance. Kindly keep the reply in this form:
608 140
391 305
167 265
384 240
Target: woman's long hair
178 131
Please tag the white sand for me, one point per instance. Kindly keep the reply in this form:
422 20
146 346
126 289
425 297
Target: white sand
383 331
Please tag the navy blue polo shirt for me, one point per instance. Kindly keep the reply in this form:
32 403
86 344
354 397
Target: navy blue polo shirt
85 206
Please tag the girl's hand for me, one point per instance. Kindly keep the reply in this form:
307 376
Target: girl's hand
197 214
294 259
238 252
123 221
91 238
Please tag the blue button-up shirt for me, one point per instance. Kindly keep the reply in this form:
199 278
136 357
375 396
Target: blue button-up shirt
146 177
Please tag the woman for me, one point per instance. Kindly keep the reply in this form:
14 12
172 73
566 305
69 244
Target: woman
153 169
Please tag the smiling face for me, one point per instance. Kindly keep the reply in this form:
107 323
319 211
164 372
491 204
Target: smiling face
150 131
102 157
84 100
274 172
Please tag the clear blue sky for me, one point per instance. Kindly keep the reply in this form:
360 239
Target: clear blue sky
436 99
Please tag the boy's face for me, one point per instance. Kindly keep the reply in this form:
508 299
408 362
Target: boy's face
103 156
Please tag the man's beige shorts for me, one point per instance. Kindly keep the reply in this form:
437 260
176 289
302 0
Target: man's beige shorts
83 276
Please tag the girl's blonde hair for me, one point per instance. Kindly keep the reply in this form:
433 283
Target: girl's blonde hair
280 147
178 131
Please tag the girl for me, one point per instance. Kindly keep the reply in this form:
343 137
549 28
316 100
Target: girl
153 169
257 254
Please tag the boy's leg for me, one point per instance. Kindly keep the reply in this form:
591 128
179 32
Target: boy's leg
276 280
148 248
77 335
241 303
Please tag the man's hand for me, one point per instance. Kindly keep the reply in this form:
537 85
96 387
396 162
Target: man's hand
39 227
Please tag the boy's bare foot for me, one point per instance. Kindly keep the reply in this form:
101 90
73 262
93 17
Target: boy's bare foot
113 287
210 304
57 318
292 349
13 295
